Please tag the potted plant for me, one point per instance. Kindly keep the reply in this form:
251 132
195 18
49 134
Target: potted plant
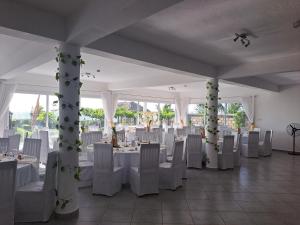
239 119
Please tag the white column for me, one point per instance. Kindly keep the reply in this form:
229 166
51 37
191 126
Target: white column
47 111
69 91
145 107
211 131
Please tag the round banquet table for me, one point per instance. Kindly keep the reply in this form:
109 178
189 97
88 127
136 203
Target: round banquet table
27 170
125 157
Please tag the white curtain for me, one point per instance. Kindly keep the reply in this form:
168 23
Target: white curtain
181 105
110 101
248 105
6 94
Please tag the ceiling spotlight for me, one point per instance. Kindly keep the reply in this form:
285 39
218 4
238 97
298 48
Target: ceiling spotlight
172 88
244 39
98 70
296 24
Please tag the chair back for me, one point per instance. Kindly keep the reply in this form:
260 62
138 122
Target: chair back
268 141
139 132
96 136
51 171
121 135
149 158
150 137
14 142
253 140
169 142
103 157
228 143
187 130
45 149
159 133
4 142
7 191
197 130
32 147
239 142
180 132
171 130
193 143
178 153
8 132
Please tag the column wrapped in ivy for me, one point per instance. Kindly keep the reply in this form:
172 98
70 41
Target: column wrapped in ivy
68 76
211 106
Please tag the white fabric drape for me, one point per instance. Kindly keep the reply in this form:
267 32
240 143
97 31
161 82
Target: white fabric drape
110 101
181 105
248 105
6 94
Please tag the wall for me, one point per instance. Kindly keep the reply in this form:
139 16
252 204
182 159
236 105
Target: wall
275 111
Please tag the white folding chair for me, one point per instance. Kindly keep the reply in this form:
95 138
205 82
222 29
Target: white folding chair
144 179
169 142
14 142
35 202
265 147
45 149
194 151
4 142
187 130
139 132
250 150
107 180
7 191
225 156
32 147
170 173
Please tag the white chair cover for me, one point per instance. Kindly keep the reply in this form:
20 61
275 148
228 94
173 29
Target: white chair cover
194 151
45 149
170 174
251 149
14 142
171 130
169 142
187 130
238 149
32 147
159 134
35 202
265 147
8 132
225 156
121 135
150 137
144 179
139 132
4 142
7 191
107 180
180 132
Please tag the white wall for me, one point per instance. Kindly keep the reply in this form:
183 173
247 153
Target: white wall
275 111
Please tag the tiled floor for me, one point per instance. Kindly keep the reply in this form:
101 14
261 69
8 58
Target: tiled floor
264 191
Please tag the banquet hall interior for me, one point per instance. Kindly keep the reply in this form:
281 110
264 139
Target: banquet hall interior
136 112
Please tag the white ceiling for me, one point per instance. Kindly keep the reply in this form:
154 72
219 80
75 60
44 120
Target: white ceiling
283 79
115 71
59 7
204 29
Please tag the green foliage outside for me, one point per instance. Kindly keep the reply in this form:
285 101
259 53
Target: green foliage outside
52 119
239 119
234 108
167 114
93 113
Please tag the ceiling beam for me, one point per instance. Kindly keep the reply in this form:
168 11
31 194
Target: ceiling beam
31 23
25 60
150 82
101 17
273 66
148 55
255 82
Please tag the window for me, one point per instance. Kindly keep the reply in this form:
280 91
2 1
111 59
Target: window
92 114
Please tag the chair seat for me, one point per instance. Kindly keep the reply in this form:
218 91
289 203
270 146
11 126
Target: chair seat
86 163
32 187
134 169
165 165
117 169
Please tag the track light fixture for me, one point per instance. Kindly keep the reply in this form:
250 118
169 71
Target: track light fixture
244 39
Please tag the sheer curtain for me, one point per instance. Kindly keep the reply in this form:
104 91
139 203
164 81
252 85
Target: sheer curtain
109 106
181 105
6 94
248 105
